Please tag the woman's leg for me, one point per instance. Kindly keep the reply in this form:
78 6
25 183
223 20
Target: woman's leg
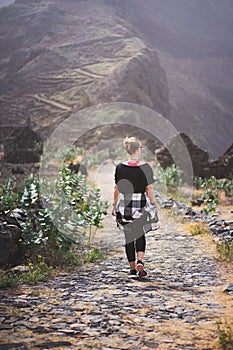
141 247
141 239
130 253
130 246
134 239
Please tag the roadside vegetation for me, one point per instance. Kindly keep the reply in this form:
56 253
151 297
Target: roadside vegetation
210 191
225 335
210 195
56 234
215 194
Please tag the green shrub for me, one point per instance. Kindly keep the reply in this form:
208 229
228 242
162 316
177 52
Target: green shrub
37 273
225 333
73 207
68 153
212 186
170 177
40 268
210 195
225 250
8 195
228 188
94 254
198 182
72 214
198 229
8 279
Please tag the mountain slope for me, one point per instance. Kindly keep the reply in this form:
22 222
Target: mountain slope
59 56
194 42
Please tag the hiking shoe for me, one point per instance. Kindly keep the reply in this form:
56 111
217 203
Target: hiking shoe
132 274
140 269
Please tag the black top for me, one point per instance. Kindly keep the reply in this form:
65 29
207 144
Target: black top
133 179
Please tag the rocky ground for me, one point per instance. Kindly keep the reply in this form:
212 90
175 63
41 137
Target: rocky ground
176 307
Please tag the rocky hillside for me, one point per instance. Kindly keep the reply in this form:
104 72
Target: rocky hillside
59 56
194 42
175 56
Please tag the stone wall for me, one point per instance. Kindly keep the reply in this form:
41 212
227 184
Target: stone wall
202 166
22 146
223 166
11 251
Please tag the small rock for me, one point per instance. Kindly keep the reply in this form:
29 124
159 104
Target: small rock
2 319
20 268
34 319
5 326
229 289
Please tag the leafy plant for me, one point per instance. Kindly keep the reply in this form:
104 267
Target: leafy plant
170 176
8 196
29 193
211 188
68 153
211 183
72 211
225 250
225 336
228 188
74 203
198 183
210 194
62 154
198 229
211 198
94 254
36 273
8 279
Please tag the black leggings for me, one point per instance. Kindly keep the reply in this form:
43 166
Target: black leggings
134 238
139 244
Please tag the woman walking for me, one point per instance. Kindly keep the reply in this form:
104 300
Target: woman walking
134 204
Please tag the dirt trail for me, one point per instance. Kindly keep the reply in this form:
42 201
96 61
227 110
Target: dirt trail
176 307
58 105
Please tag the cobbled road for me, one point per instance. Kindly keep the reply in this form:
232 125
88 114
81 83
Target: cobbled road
176 307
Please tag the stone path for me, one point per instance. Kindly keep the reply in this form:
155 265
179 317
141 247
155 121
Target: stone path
176 307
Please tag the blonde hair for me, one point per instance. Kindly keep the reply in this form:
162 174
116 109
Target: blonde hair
131 144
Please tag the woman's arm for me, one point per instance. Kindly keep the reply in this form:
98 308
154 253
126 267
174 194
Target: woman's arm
115 199
150 194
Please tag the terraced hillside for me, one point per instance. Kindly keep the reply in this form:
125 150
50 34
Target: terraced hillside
61 56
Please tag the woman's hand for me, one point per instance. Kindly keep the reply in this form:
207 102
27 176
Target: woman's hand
150 194
114 210
153 205
115 196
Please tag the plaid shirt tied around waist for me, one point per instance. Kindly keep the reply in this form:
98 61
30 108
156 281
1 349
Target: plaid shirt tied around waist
132 206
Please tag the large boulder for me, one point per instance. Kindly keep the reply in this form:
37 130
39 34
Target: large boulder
199 157
223 166
11 250
202 165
